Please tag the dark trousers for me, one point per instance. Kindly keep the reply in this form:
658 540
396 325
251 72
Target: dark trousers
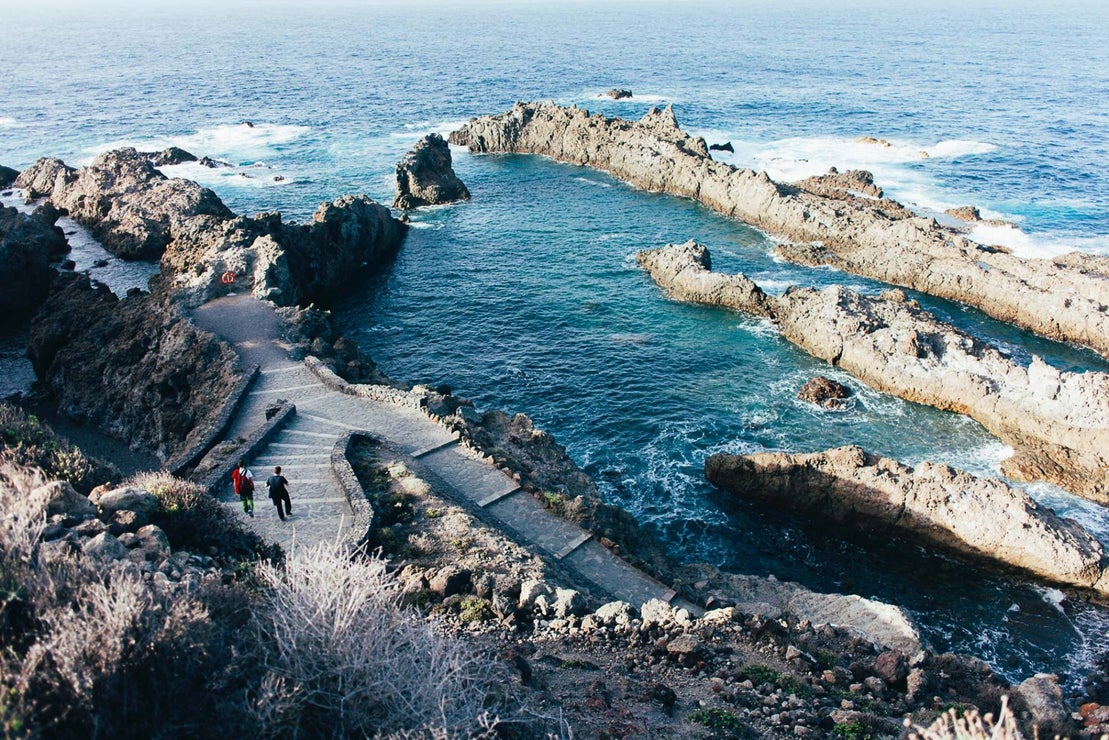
288 505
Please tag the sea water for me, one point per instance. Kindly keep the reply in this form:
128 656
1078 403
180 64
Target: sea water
527 298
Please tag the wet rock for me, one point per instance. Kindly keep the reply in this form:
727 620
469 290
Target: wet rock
725 147
426 177
618 93
825 392
7 176
170 156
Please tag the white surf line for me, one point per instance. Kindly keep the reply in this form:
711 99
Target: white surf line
286 390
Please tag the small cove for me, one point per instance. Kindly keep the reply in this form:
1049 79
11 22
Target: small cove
528 299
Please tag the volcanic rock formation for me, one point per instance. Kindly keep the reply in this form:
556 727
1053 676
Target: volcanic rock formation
134 367
139 213
426 177
1058 422
28 244
1063 299
934 503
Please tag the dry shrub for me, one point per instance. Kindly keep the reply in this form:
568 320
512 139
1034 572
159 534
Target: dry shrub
341 658
27 441
88 648
971 726
193 520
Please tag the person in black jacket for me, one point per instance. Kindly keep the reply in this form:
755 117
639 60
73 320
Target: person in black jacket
279 492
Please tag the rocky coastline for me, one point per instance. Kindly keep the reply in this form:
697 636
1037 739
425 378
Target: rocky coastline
1057 422
945 508
826 221
425 176
139 369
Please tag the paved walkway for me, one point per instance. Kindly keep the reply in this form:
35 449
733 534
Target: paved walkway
303 449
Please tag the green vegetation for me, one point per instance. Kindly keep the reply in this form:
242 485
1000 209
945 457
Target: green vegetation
720 720
556 502
475 609
852 731
759 674
27 441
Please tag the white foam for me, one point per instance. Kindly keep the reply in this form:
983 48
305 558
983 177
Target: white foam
597 183
420 129
1026 245
8 122
633 99
239 142
250 176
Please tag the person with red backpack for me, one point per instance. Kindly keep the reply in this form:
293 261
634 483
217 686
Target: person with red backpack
243 481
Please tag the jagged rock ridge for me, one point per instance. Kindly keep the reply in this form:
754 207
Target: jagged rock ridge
857 231
1058 422
946 508
425 176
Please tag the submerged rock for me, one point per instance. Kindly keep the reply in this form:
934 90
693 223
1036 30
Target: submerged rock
1060 299
426 176
949 509
825 392
1058 422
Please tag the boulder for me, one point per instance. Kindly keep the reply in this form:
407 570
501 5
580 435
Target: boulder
725 147
530 591
62 499
965 213
618 93
172 155
892 667
933 503
870 236
104 547
127 498
28 244
1044 700
825 392
568 602
154 542
449 581
126 520
656 612
7 176
618 613
425 176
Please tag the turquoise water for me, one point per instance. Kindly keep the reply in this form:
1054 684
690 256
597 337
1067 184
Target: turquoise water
527 297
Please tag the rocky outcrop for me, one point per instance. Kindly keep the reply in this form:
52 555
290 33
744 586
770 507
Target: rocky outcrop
134 367
933 503
28 244
1059 299
7 176
131 208
825 392
725 147
425 176
618 93
170 156
1058 422
137 212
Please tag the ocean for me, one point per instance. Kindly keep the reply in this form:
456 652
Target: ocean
527 298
